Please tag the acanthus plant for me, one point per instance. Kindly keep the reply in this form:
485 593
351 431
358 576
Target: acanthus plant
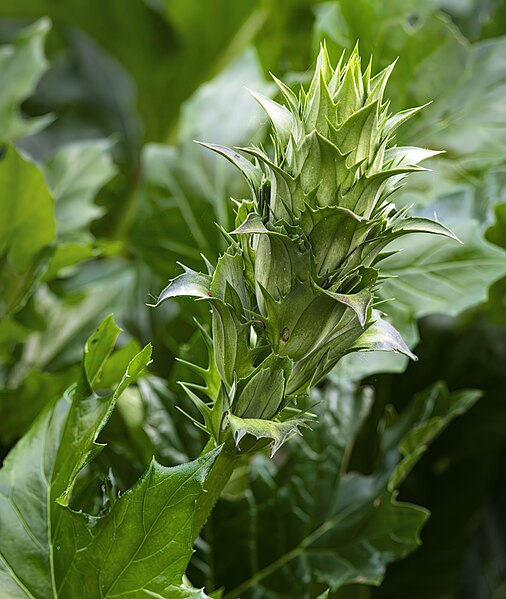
296 289
294 292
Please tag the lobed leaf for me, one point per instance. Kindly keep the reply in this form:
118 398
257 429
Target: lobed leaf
333 528
437 275
47 549
22 64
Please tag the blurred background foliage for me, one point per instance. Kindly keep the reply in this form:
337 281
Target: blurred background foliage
110 192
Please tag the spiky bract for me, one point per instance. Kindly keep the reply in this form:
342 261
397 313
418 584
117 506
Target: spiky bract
295 290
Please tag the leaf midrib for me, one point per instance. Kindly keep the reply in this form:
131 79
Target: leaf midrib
290 555
130 561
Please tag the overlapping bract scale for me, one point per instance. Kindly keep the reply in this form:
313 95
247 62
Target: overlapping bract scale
295 290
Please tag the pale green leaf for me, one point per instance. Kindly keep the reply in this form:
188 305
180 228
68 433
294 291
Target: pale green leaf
468 110
75 173
408 155
252 224
210 115
190 283
440 276
184 592
22 64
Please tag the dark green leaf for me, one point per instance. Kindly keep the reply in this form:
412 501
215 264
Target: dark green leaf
27 222
331 528
143 542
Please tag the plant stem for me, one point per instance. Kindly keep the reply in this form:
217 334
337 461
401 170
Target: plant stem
219 476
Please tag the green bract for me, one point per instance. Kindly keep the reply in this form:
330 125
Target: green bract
295 290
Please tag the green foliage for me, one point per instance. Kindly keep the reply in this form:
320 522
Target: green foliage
306 251
427 275
21 66
75 173
27 227
333 526
47 545
102 191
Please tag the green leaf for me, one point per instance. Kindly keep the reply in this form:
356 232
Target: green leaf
389 529
19 406
47 460
86 84
90 91
22 64
166 432
467 103
497 232
96 289
208 115
144 544
27 222
68 254
75 173
27 227
440 276
141 545
16 288
429 414
98 348
112 370
173 197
